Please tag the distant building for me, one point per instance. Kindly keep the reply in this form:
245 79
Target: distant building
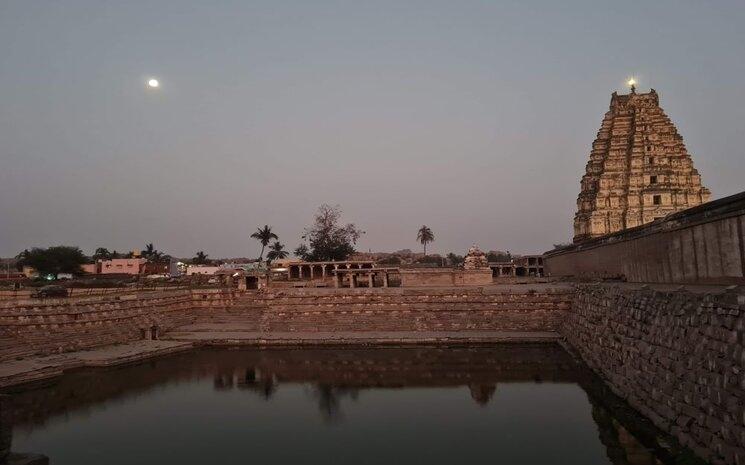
201 270
89 268
246 266
121 266
157 268
518 267
30 272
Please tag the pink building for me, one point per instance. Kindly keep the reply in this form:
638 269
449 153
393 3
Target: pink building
89 268
121 266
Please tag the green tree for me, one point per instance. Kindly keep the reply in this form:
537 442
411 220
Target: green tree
276 252
425 236
265 236
20 259
301 252
327 239
430 260
392 260
102 253
498 256
54 260
200 258
152 254
454 259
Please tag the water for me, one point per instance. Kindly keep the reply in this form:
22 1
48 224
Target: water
505 404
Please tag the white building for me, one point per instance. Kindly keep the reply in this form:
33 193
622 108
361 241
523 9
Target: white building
201 269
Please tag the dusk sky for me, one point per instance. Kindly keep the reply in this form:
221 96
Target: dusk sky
475 118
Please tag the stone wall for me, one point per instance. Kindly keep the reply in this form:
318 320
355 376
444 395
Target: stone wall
6 427
445 277
401 309
41 327
705 244
36 327
676 357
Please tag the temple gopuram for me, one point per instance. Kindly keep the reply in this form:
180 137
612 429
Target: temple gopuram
639 169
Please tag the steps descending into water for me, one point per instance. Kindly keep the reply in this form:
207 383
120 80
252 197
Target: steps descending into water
433 316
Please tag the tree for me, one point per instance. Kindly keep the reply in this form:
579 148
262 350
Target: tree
102 253
498 256
276 252
430 260
302 252
454 259
54 260
200 258
152 254
392 260
425 236
264 236
20 258
327 240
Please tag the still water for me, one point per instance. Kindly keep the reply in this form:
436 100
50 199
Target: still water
505 404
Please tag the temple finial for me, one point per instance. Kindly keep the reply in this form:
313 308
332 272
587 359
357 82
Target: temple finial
632 83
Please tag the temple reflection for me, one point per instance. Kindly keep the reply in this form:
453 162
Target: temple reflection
333 378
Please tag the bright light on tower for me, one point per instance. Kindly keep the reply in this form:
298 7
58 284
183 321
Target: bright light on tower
153 83
631 82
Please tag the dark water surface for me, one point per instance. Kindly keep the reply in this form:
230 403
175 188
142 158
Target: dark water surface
507 404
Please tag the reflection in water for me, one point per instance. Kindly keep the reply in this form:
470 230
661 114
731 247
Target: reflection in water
393 405
482 393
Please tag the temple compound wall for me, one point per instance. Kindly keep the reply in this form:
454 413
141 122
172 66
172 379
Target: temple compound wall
445 277
35 328
704 244
47 326
399 309
676 357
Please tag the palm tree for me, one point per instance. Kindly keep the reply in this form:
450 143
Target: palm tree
21 259
149 250
264 236
200 258
276 251
425 236
151 253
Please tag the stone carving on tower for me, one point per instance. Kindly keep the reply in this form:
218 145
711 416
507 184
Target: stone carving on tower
639 169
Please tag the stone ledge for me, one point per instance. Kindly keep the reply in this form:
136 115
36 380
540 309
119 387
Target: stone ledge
31 370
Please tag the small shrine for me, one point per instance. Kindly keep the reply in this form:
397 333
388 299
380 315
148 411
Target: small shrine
475 259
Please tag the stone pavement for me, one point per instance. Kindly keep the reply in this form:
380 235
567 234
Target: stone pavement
29 370
234 334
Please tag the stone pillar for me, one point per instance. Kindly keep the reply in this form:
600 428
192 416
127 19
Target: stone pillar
6 427
372 279
312 272
300 271
352 280
323 271
337 280
385 279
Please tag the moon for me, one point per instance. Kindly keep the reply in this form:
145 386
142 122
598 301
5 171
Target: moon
153 83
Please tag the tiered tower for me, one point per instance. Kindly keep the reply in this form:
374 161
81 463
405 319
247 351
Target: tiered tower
639 169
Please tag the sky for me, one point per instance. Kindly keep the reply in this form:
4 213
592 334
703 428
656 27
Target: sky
474 118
